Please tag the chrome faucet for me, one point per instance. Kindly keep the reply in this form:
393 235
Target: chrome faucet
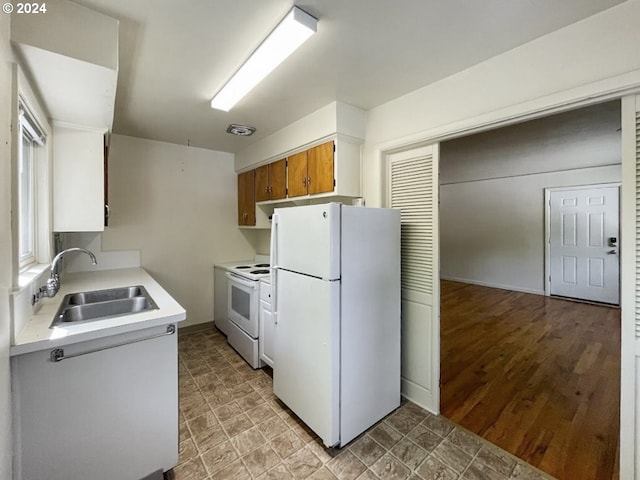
53 283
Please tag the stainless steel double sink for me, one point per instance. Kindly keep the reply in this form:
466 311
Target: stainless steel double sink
83 307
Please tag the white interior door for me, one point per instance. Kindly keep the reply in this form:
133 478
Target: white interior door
584 236
412 182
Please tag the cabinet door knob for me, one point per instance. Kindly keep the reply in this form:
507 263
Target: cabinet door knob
308 180
304 181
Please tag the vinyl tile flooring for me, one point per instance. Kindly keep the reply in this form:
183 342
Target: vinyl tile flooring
233 427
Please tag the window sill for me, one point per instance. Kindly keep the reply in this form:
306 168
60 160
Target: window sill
31 275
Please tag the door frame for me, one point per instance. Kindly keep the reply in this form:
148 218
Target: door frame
566 100
547 227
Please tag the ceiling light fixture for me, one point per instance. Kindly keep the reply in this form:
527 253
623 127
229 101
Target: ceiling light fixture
241 130
291 32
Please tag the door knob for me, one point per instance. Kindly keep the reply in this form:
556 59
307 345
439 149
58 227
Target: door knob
612 252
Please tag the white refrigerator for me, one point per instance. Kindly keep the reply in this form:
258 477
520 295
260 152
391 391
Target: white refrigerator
336 278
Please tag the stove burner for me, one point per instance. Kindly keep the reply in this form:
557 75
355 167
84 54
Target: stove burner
259 272
262 265
243 266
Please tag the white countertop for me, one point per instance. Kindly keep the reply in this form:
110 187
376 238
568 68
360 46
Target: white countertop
229 265
36 335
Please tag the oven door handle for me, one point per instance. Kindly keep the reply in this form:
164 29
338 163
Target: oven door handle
241 281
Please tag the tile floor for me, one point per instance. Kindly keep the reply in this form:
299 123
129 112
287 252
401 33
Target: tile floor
233 427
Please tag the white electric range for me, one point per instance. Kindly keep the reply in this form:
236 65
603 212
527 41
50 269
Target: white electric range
243 302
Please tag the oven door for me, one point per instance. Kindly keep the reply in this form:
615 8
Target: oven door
242 303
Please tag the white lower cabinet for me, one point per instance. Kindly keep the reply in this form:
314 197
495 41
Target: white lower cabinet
267 326
220 312
108 409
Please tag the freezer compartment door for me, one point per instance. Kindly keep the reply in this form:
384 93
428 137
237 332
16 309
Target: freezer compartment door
306 240
306 374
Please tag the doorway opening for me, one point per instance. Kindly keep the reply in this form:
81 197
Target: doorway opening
537 376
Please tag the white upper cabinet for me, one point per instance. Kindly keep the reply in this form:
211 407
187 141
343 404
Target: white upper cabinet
74 69
78 179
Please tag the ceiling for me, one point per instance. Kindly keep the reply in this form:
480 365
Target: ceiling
174 55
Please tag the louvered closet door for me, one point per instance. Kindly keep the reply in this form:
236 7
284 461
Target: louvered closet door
630 290
412 183
637 221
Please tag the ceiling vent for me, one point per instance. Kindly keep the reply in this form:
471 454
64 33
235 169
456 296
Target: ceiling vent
241 130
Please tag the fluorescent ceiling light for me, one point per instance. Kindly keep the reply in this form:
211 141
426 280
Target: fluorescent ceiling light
290 33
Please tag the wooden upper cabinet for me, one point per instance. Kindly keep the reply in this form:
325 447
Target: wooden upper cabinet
271 181
311 171
262 184
246 198
320 168
328 170
278 179
297 174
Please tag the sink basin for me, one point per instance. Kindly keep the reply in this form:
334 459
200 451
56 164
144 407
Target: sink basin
83 298
83 307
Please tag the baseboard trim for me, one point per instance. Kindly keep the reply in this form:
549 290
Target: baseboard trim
195 328
492 285
419 395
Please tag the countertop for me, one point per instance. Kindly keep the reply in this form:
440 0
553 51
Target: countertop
36 335
228 265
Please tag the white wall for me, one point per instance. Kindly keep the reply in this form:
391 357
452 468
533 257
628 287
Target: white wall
591 57
92 39
492 192
107 259
177 205
6 447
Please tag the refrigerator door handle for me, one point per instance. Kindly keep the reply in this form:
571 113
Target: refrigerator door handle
274 244
274 264
274 297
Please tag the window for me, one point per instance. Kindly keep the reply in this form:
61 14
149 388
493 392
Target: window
31 139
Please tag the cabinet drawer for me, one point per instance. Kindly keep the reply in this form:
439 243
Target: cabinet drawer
265 292
246 346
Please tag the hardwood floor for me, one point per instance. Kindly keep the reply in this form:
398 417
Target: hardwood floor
537 376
